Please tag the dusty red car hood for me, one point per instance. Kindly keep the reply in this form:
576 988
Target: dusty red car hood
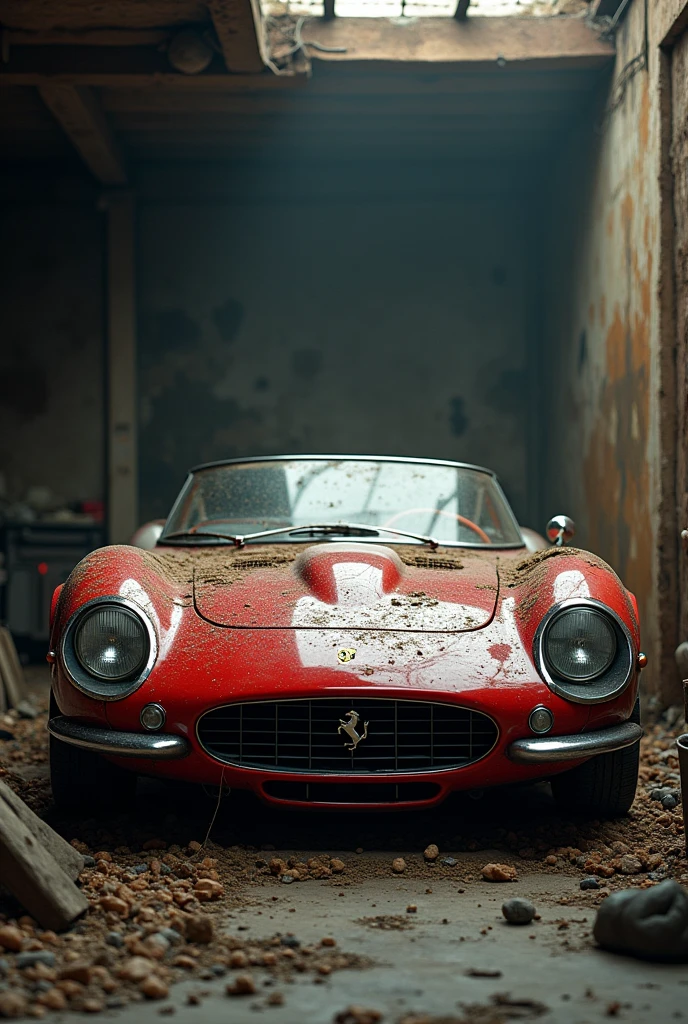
347 586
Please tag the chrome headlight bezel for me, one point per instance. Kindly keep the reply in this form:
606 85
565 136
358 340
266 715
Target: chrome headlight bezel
89 684
611 682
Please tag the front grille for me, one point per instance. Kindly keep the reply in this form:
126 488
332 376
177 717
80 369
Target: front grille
302 735
353 793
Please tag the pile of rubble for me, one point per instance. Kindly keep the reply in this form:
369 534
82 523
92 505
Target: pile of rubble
158 908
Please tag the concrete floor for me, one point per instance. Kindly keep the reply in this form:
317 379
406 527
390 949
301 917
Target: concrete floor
424 969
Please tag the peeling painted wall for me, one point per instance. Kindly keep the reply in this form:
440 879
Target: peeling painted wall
51 344
335 323
609 340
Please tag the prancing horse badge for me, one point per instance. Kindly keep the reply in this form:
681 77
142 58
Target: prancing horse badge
349 729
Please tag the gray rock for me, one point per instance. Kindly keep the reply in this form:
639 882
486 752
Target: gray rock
39 956
518 910
287 879
115 939
160 940
89 862
4 966
449 862
656 876
669 802
291 941
590 883
660 794
115 1003
651 924
172 936
138 869
218 970
26 710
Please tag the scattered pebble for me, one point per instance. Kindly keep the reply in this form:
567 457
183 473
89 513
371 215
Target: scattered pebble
11 938
398 865
590 883
243 985
200 928
154 988
40 956
499 873
518 910
431 852
358 1015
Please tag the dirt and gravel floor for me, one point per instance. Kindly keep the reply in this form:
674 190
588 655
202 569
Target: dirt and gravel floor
344 918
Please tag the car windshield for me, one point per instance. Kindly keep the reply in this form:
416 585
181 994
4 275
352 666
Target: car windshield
455 504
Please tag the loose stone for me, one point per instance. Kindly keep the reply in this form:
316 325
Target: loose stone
518 910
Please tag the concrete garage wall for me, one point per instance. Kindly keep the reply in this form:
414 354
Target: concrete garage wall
392 324
51 342
609 337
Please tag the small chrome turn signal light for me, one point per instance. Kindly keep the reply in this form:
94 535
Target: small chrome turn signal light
152 717
540 720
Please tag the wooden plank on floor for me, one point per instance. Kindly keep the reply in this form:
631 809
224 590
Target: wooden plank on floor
34 877
71 862
11 672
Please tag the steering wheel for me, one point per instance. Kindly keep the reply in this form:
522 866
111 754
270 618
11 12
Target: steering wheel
448 515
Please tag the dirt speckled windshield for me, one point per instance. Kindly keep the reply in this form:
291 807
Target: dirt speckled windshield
455 504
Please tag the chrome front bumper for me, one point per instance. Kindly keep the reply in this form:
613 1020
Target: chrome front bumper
156 746
165 747
546 749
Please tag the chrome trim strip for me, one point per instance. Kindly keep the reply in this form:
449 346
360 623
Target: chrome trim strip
154 746
342 458
331 773
547 749
541 660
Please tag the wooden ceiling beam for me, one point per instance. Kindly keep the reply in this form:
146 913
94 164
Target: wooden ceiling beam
78 111
492 46
241 34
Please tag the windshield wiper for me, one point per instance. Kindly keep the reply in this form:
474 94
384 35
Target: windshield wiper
239 540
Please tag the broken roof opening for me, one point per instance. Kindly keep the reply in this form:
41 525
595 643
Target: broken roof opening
412 8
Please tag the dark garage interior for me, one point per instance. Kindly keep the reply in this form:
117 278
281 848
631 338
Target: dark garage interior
236 230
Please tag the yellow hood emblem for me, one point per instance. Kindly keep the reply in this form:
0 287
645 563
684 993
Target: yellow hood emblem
345 654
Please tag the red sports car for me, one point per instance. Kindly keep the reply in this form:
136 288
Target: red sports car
346 631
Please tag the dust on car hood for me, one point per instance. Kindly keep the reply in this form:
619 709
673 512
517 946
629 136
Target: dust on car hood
350 586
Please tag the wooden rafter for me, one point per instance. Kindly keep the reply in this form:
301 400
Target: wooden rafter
240 31
527 43
83 121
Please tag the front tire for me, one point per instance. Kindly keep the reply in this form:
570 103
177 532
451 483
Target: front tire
84 781
603 787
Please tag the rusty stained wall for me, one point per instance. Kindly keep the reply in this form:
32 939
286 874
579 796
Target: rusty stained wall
607 334
332 323
51 347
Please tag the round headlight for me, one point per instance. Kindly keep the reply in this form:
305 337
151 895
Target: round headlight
580 644
111 643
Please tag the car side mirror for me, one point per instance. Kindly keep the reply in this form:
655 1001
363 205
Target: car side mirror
560 530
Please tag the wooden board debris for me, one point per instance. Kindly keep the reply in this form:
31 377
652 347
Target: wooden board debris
11 674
